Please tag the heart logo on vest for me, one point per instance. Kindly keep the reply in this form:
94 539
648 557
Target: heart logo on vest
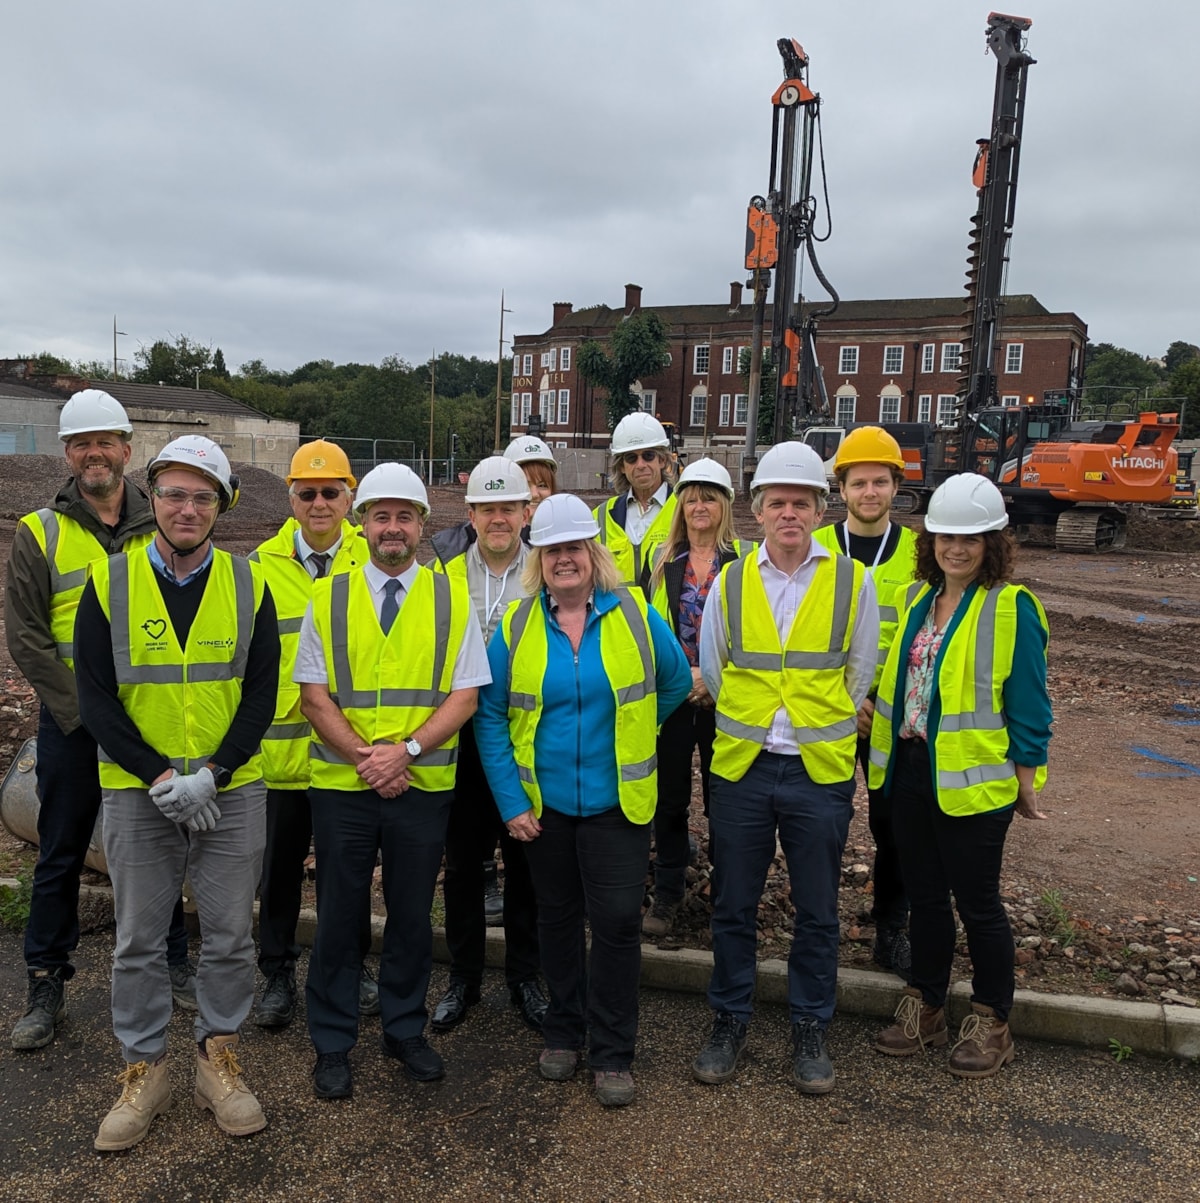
156 628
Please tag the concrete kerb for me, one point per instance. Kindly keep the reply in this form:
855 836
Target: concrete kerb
1144 1027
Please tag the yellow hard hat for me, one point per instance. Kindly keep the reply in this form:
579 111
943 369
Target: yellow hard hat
320 460
868 445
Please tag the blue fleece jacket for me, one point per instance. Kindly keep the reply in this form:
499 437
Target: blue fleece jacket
574 748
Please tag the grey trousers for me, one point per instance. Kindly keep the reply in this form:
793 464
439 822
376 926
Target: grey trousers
148 856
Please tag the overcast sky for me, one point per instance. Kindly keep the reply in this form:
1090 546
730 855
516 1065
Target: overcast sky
299 180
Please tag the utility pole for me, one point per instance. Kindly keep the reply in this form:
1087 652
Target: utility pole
432 377
500 372
762 281
115 333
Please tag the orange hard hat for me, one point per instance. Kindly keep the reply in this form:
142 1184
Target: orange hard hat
320 460
868 445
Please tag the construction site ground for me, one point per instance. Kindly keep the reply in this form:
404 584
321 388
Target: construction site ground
1104 896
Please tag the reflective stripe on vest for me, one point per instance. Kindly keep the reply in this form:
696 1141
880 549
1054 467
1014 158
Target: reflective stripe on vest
807 676
182 699
402 678
627 653
660 601
629 556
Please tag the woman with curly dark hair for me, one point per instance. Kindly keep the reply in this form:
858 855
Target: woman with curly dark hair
958 742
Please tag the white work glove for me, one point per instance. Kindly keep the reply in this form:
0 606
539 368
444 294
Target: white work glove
180 798
205 819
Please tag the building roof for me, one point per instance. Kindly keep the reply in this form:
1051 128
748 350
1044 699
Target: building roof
165 396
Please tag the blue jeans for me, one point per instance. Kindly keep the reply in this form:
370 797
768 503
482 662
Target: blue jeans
812 820
349 828
68 781
591 870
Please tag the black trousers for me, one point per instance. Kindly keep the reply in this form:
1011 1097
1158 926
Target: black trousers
889 910
688 728
289 834
940 856
475 825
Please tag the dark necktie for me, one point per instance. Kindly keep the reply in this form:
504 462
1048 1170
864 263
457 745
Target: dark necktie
391 607
320 561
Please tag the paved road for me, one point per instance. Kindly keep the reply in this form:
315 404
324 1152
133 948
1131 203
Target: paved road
1060 1125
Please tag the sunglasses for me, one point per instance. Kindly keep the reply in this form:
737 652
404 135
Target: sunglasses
310 495
632 457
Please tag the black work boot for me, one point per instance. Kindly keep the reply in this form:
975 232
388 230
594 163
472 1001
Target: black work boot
893 951
277 1008
812 1070
47 1008
718 1059
493 896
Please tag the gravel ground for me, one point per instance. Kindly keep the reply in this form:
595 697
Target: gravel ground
1058 1125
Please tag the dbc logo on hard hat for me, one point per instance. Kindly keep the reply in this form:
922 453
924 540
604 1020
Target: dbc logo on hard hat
492 485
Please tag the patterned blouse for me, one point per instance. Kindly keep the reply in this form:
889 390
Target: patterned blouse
918 683
691 608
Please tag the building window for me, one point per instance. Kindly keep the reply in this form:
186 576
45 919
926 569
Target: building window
945 409
727 360
550 359
724 420
699 408
848 361
846 405
514 415
741 404
893 360
546 405
951 356
564 406
528 365
889 407
700 360
1010 400
564 359
928 351
924 405
1013 356
649 401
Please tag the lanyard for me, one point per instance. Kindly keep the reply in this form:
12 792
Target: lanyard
489 606
882 544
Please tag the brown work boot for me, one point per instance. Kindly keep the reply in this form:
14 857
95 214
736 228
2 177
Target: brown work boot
145 1093
984 1045
220 1088
917 1026
659 919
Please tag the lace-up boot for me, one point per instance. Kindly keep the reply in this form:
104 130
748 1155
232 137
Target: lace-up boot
918 1026
221 1089
984 1045
145 1093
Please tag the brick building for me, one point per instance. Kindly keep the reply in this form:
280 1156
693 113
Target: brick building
890 361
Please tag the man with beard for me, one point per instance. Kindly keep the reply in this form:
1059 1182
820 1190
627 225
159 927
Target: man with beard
95 514
178 661
486 554
870 469
389 664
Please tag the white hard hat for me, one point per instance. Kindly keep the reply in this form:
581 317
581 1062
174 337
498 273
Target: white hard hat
391 482
92 410
966 504
562 519
529 449
497 478
790 464
638 431
706 472
201 455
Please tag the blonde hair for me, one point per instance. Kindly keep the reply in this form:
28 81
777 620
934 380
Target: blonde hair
616 469
605 574
677 534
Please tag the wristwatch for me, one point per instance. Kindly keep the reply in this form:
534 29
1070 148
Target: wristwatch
222 777
413 746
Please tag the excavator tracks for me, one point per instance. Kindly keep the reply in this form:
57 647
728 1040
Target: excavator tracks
1090 530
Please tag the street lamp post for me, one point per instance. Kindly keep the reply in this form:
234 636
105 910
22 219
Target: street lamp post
115 333
500 371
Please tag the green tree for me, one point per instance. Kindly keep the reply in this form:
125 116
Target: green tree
766 392
639 347
175 363
1113 369
1185 382
218 364
1179 353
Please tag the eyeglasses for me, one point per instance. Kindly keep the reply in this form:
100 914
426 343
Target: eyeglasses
308 496
178 498
632 457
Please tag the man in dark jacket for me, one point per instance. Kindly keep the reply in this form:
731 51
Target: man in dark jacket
95 514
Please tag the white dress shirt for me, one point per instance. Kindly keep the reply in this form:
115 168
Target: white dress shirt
639 521
785 592
305 552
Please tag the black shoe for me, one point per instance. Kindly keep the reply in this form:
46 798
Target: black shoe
47 1008
331 1076
183 984
420 1061
277 1008
528 998
812 1070
893 951
368 992
493 896
455 1003
718 1059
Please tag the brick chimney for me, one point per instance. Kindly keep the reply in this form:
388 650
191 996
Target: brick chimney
633 298
561 309
735 294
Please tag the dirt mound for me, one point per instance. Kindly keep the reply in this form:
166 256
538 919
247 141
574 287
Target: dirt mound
1163 534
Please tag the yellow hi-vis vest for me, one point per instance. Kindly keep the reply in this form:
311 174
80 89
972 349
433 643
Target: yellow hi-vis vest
970 747
181 699
627 653
286 762
660 601
388 685
631 558
892 577
807 676
69 548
